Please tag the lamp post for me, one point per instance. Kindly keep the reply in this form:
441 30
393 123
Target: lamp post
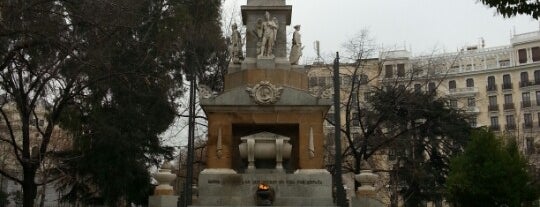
340 192
186 198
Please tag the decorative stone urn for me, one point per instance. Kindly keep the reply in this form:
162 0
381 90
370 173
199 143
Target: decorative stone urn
164 178
265 145
367 179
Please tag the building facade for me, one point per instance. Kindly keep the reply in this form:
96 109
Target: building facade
497 87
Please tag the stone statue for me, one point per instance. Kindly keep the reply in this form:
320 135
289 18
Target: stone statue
296 48
270 27
236 45
258 32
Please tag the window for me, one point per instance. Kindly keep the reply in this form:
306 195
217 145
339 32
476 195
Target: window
535 54
492 100
473 122
367 95
453 103
507 82
508 98
508 103
524 77
522 55
537 77
452 85
538 98
355 119
363 79
401 70
504 63
345 80
417 88
493 103
494 121
401 87
330 138
471 102
491 84
431 87
389 71
529 145
527 120
526 99
470 82
510 122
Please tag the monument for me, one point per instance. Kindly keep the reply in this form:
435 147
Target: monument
265 130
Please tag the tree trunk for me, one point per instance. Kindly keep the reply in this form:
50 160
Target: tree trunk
29 186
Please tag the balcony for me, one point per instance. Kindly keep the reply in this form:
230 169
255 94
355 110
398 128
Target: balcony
510 127
494 107
491 88
526 104
523 84
508 106
506 86
527 125
468 91
495 127
472 110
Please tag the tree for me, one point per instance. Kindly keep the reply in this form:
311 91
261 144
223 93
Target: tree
510 8
398 120
490 173
109 71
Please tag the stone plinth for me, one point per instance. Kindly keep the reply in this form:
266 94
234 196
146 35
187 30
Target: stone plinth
162 201
303 188
256 9
366 202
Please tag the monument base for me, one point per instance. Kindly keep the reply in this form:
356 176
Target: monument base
162 201
303 188
366 202
266 63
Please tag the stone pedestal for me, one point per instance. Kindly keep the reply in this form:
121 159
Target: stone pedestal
302 188
162 201
266 63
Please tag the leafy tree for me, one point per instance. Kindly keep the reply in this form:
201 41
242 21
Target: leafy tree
414 127
110 71
125 114
3 199
510 8
490 173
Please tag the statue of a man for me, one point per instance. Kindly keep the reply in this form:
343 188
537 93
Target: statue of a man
296 48
236 45
270 28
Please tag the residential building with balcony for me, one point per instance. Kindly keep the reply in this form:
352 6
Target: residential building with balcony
498 87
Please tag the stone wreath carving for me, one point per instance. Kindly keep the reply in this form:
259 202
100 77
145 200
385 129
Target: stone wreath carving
205 92
265 93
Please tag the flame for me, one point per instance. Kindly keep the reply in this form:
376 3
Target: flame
263 186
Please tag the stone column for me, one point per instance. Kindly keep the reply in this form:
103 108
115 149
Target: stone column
365 194
164 195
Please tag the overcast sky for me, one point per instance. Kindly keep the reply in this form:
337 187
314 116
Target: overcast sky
420 25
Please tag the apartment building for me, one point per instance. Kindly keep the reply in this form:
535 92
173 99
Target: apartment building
8 162
498 87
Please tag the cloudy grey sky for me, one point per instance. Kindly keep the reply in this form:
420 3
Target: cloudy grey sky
420 25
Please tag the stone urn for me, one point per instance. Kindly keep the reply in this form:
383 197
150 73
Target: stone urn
367 179
164 177
265 145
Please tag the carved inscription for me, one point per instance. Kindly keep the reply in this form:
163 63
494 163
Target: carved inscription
274 182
